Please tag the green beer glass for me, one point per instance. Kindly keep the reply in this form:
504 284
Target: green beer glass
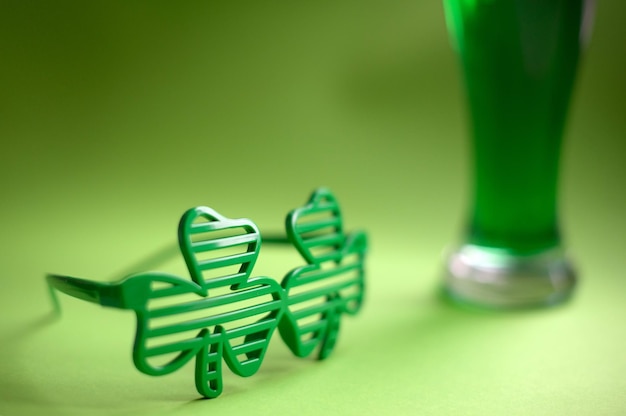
519 61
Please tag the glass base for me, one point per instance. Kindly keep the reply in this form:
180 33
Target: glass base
496 279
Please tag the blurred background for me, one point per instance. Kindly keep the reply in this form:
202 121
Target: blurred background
117 116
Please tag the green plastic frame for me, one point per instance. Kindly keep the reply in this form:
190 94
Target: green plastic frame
333 281
239 335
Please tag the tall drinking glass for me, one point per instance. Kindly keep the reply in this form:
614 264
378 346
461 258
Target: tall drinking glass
519 61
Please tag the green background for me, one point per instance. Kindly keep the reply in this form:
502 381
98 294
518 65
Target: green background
115 117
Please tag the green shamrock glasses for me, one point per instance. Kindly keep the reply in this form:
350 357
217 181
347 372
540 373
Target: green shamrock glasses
224 314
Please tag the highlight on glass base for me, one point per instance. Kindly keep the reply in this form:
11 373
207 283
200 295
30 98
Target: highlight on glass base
497 279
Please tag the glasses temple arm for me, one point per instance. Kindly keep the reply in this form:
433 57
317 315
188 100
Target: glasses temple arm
105 294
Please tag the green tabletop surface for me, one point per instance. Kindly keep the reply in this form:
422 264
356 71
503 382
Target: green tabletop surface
116 117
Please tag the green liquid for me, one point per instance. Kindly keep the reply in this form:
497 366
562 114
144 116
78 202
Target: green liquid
519 60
